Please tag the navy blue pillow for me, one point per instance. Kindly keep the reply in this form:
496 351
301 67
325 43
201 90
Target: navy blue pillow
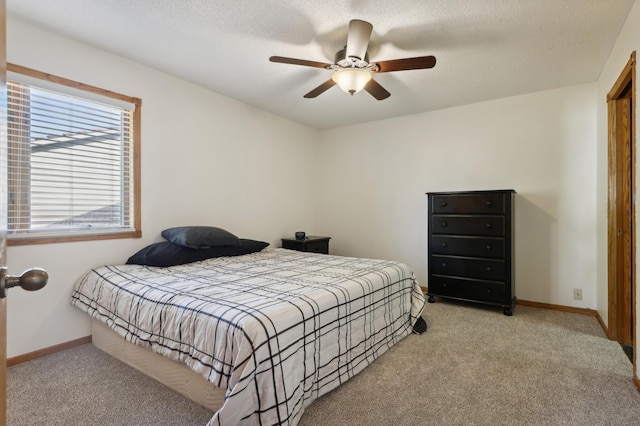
168 254
251 246
200 237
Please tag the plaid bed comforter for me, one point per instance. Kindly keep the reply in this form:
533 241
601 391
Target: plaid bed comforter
276 329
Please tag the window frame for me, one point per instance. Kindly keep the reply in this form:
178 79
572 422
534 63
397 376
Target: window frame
42 238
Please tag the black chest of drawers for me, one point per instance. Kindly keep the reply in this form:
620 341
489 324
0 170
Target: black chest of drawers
471 248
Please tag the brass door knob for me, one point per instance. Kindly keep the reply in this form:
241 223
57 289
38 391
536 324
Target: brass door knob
30 280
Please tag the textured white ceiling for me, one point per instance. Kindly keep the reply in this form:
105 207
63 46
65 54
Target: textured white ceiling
486 49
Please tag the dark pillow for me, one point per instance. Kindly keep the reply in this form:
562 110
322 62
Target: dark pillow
251 246
200 237
169 254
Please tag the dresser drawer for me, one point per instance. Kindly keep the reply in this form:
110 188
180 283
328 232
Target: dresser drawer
493 248
482 291
468 225
490 203
488 269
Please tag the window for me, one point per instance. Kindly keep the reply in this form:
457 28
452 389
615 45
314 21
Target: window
73 160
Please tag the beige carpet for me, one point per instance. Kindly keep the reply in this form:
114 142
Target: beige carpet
474 366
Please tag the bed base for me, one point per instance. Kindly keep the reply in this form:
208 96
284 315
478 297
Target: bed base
170 373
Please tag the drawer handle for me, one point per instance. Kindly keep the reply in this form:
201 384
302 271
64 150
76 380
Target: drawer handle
444 244
489 203
488 268
443 224
489 291
444 285
488 225
444 264
444 204
488 246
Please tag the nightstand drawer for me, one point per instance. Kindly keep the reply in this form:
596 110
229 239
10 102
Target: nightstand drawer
493 248
310 244
490 203
468 225
317 247
482 291
487 269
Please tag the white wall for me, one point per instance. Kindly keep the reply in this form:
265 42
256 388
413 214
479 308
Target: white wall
542 145
206 160
627 42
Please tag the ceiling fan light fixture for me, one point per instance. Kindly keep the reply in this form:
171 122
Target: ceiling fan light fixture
352 69
351 80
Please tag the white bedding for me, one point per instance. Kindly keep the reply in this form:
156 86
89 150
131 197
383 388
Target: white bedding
276 329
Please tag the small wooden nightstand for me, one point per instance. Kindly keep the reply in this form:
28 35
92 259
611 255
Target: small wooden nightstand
311 243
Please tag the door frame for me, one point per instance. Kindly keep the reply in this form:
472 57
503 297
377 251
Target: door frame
3 209
622 295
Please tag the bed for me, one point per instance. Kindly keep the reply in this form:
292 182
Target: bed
263 334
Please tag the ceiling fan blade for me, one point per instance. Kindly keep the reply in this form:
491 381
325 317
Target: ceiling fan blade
294 61
320 89
358 38
376 90
418 63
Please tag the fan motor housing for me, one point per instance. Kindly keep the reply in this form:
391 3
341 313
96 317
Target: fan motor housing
342 60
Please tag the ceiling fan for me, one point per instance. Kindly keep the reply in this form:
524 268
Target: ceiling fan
352 69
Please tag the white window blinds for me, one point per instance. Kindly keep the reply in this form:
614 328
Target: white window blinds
70 163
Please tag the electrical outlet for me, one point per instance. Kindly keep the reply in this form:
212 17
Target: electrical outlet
577 294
